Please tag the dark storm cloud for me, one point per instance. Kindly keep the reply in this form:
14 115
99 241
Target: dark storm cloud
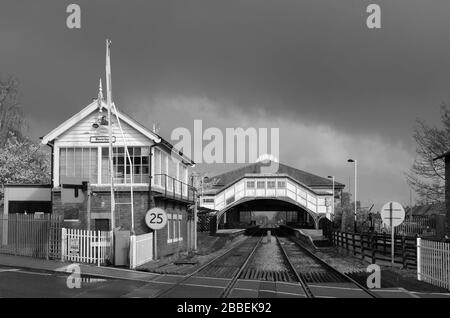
302 61
313 59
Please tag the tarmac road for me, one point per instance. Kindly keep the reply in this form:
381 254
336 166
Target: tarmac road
19 282
15 282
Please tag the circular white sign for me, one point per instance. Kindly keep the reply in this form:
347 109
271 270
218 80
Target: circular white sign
156 218
392 212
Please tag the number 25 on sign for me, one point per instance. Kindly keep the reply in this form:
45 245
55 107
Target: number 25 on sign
156 218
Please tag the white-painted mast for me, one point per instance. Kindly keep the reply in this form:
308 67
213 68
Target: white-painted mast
131 168
109 107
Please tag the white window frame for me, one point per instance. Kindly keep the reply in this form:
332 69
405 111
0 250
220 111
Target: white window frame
57 159
169 230
116 183
174 223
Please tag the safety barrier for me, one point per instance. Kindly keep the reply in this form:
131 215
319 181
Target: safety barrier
171 187
433 262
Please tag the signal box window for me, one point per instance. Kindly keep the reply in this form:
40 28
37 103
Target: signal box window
122 165
79 162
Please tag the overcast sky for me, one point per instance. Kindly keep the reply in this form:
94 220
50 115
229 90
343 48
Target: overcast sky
312 68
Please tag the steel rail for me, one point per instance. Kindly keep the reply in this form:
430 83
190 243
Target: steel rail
301 281
226 292
332 269
177 284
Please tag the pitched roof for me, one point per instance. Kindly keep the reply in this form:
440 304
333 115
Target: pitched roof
426 210
69 123
301 176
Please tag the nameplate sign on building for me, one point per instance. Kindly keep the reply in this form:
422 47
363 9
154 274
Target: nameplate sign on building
101 139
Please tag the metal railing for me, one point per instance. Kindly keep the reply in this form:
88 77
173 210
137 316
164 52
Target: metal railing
32 235
173 188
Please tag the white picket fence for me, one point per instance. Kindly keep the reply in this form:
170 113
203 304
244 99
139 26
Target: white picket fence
433 262
84 246
141 249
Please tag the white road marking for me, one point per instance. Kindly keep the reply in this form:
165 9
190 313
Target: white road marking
9 270
335 287
408 292
390 290
425 293
272 291
33 273
196 285
206 277
244 289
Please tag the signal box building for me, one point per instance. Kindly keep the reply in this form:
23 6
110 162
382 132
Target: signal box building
81 189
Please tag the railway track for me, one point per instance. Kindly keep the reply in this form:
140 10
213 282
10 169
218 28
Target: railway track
297 266
229 264
310 270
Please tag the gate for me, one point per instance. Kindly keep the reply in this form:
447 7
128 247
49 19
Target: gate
84 246
35 235
141 249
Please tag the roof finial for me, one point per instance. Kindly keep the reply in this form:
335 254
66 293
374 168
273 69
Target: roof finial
100 95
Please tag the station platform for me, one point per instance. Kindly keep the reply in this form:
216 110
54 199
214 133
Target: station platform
230 232
234 232
309 236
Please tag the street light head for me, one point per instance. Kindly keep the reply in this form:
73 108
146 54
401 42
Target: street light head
350 160
331 177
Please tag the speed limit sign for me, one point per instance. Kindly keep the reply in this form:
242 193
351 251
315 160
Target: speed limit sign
156 218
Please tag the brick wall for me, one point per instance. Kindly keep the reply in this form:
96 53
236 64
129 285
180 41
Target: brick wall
165 248
74 214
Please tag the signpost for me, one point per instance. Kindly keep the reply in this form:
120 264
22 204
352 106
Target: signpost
392 214
156 218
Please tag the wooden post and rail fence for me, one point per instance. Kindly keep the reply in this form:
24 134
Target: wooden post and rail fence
377 247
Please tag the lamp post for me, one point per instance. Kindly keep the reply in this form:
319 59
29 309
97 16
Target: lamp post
356 173
332 209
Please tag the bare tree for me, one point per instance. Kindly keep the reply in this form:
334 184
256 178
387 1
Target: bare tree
11 116
202 182
426 176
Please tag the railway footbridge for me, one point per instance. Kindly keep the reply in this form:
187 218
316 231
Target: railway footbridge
247 196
